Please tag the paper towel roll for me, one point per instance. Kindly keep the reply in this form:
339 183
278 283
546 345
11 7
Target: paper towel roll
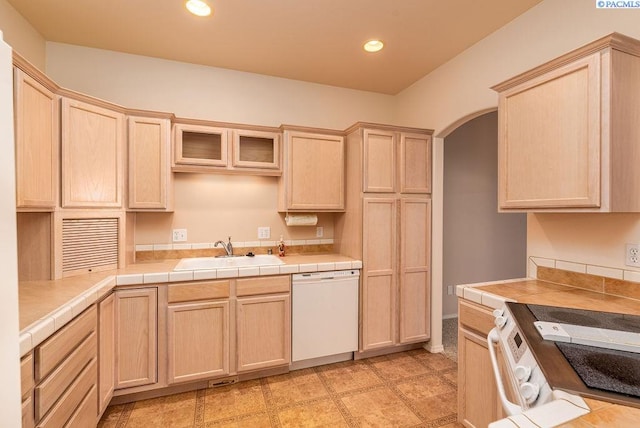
301 219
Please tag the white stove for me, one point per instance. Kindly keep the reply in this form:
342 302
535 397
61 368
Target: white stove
532 401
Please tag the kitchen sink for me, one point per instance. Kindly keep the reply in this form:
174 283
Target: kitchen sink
201 263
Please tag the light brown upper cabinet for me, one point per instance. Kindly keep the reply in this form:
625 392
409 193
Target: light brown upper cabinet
379 173
568 136
415 163
201 146
396 160
150 176
37 118
256 150
92 155
314 171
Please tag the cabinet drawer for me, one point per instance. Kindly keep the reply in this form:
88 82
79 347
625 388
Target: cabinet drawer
48 391
475 317
27 413
85 415
26 373
209 290
73 396
58 346
265 285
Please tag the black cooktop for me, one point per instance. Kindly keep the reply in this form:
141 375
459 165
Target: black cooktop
599 373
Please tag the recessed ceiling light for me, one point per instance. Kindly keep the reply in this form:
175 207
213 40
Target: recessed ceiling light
373 46
198 7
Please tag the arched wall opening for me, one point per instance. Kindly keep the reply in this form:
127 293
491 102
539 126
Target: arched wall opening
471 241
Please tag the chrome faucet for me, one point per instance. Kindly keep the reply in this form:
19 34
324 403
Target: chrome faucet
227 247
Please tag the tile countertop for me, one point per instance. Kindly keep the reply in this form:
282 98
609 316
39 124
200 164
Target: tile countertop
494 294
46 306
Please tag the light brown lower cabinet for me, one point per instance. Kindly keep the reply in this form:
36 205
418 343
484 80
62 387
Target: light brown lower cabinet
198 340
27 413
136 337
106 351
263 323
27 383
478 402
66 376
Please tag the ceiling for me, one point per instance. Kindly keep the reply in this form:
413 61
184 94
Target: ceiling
311 40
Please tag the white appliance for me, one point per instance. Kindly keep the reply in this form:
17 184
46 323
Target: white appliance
324 317
537 404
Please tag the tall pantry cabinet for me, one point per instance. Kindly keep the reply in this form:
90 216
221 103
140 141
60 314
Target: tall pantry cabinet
387 224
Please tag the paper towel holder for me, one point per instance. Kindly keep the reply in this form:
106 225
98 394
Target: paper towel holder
299 219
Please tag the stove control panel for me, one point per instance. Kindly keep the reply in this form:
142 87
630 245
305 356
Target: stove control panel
524 375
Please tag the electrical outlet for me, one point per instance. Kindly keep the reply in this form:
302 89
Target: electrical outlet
632 255
264 232
319 232
450 290
179 235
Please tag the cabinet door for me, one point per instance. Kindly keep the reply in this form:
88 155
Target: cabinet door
478 403
256 150
198 341
37 115
92 156
106 351
550 157
415 259
263 332
379 173
136 337
200 145
415 163
379 273
315 172
150 178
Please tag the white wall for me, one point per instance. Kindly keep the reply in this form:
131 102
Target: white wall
10 408
201 92
19 34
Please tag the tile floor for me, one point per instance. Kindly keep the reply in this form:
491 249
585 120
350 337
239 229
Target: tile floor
408 389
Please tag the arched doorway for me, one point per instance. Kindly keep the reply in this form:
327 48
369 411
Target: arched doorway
479 244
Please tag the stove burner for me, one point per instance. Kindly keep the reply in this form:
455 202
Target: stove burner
617 367
605 369
567 317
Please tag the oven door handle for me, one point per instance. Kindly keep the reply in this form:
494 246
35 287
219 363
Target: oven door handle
493 338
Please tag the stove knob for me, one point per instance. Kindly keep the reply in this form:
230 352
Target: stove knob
500 321
498 312
529 391
523 373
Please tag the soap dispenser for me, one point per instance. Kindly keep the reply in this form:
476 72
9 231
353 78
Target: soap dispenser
281 247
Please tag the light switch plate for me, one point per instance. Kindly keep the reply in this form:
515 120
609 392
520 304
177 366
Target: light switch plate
179 235
319 232
264 232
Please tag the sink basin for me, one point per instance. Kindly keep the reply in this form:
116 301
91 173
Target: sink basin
201 263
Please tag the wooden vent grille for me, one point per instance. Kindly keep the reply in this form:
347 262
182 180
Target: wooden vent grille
89 245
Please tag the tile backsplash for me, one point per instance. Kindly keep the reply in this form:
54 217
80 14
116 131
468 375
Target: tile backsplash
601 279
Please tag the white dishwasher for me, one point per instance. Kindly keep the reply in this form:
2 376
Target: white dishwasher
324 317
